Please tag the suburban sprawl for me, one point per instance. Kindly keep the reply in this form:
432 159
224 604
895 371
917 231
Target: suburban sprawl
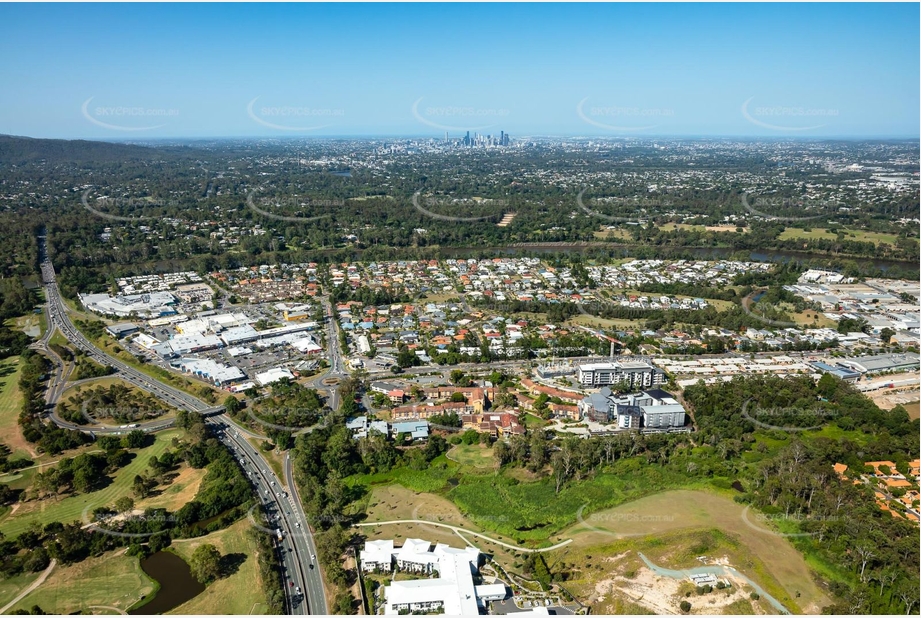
483 374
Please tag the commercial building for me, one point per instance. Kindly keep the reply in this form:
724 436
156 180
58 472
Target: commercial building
186 344
630 373
882 362
273 375
210 370
152 305
848 375
122 329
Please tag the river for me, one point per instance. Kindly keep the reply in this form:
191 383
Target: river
176 583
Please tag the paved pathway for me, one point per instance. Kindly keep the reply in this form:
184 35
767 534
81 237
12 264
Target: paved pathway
114 609
38 582
458 530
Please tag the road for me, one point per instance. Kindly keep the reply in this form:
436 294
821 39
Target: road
298 557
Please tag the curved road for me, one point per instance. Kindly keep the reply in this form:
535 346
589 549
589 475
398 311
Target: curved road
299 551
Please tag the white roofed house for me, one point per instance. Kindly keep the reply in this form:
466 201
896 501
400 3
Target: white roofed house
415 556
377 556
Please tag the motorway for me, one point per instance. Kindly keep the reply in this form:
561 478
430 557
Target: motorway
303 581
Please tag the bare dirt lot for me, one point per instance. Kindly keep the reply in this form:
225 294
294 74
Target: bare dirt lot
756 550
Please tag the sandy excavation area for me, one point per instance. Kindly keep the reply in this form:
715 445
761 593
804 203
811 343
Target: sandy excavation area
663 595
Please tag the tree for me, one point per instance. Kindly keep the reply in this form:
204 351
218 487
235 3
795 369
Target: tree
205 563
134 439
232 404
685 606
124 504
343 603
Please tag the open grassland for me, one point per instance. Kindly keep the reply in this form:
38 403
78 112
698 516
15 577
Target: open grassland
824 234
10 407
10 587
670 227
178 493
394 502
71 508
475 456
526 512
593 321
533 513
617 233
914 409
752 547
112 580
238 593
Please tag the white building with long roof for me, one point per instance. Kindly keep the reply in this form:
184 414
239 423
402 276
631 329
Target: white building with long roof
452 592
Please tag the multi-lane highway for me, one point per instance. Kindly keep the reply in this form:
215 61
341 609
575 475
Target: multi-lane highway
303 579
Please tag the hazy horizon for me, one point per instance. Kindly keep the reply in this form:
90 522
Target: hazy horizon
120 72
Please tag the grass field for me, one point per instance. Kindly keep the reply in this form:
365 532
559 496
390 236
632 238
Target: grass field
618 233
824 234
473 456
113 580
593 321
10 407
178 493
71 508
668 227
238 593
12 586
773 562
390 502
104 383
913 409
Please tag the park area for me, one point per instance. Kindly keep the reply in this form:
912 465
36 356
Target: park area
79 507
106 584
240 592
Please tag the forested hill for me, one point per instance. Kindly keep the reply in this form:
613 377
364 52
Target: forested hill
16 150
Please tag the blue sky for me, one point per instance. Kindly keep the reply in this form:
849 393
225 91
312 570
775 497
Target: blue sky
110 71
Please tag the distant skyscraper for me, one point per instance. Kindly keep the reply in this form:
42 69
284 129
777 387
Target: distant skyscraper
446 136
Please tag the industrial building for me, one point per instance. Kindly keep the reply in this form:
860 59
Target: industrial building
882 363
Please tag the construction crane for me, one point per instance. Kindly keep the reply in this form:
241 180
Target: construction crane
601 335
